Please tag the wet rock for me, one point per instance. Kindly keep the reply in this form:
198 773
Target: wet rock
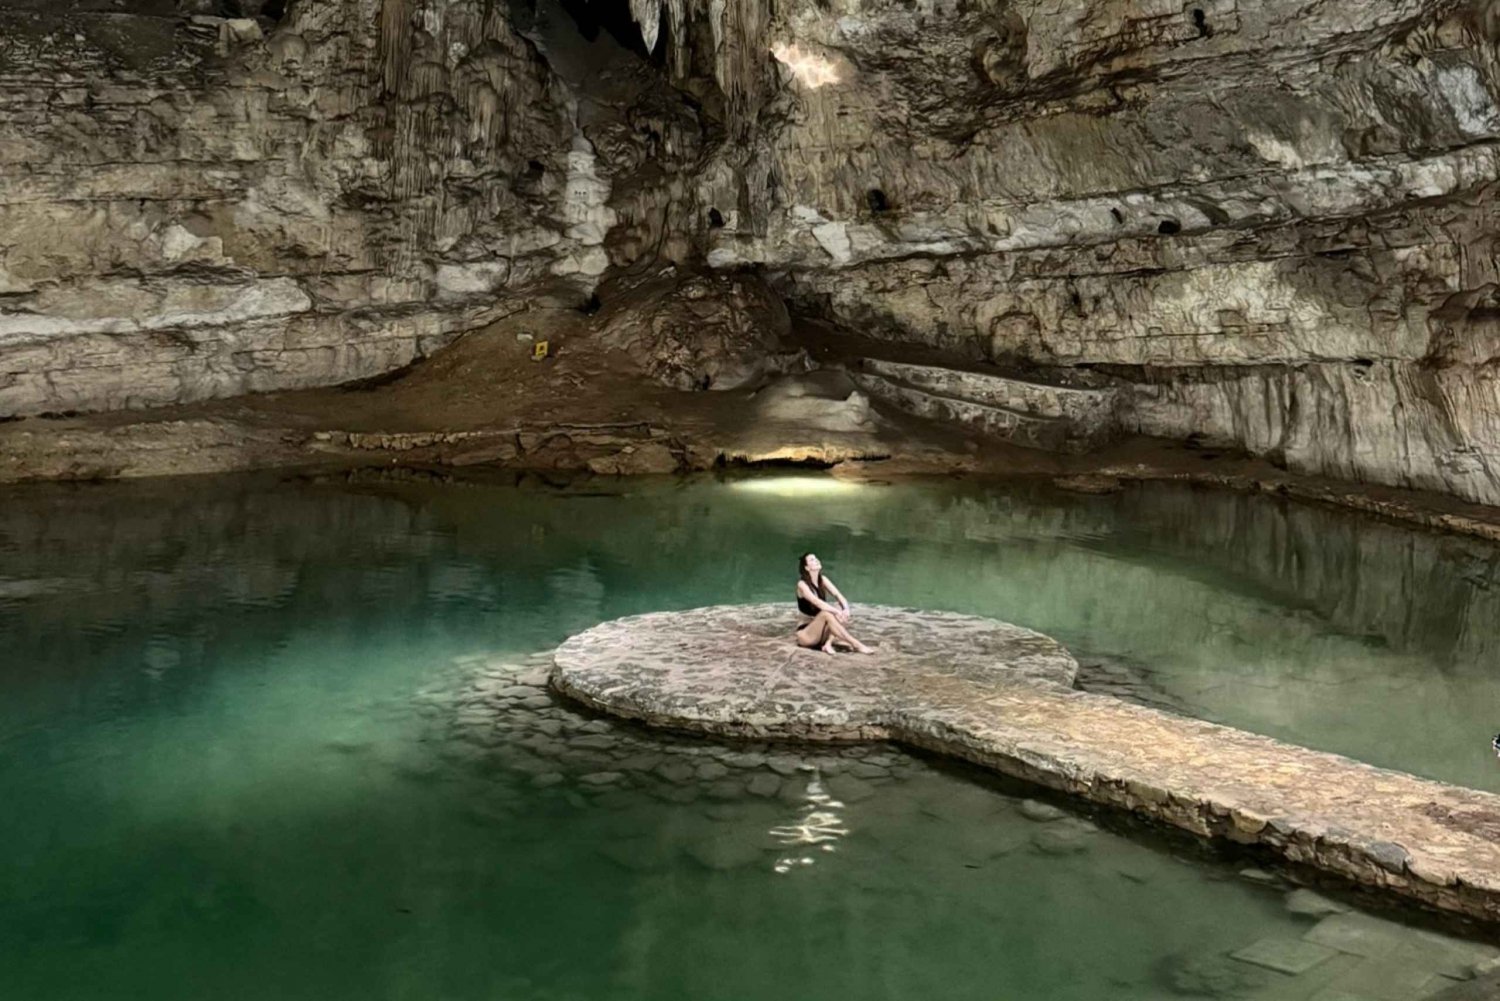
1261 876
763 785
592 742
725 790
545 779
849 789
1210 976
1040 812
866 770
710 770
601 778
1089 483
743 759
784 766
678 794
675 771
793 790
1285 955
639 761
1061 839
1306 902
516 692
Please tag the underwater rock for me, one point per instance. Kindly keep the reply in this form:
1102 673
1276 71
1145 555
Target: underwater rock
1038 811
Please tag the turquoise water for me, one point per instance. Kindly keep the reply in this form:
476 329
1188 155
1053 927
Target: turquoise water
265 740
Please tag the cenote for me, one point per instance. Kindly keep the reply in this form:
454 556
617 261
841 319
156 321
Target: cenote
287 739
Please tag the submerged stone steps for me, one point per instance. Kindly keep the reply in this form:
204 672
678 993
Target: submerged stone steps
1001 696
1074 413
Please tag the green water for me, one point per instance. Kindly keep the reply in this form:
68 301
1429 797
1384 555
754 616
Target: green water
277 740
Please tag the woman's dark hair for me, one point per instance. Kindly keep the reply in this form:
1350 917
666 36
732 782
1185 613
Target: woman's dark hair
804 575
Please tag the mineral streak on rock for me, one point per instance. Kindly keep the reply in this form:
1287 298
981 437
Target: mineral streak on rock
1001 696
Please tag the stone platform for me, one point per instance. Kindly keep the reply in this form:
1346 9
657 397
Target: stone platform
1000 696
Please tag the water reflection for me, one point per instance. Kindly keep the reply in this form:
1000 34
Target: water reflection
283 740
1307 623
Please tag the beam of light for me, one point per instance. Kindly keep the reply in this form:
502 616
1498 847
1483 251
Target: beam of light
810 69
796 486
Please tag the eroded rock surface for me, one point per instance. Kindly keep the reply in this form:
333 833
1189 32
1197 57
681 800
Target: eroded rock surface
705 331
1274 222
194 206
736 668
998 695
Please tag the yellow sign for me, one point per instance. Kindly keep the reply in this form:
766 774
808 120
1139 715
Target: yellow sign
539 351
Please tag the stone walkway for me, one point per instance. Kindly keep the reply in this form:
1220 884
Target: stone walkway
1001 696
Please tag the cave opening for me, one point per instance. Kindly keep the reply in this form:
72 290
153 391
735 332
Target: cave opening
1169 227
1200 21
264 10
592 306
1119 216
877 200
535 168
715 219
610 17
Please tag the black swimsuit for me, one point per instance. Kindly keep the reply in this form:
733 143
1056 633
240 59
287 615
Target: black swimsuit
808 608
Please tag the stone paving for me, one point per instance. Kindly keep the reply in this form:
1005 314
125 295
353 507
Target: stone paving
1001 696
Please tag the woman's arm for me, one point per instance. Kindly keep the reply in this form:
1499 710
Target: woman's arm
806 591
843 602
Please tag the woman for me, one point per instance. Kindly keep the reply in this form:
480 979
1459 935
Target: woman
828 625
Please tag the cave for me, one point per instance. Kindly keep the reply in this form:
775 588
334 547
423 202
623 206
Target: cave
431 432
609 17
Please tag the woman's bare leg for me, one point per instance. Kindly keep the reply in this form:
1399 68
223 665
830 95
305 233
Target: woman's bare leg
824 630
846 637
816 633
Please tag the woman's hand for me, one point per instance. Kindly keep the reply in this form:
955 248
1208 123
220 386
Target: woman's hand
842 613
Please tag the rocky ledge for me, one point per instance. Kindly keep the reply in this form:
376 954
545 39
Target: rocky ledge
1001 696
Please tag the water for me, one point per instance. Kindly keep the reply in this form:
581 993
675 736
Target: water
285 741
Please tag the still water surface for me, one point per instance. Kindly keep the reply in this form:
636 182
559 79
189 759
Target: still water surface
284 740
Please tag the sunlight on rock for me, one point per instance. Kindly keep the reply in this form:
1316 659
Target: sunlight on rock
811 70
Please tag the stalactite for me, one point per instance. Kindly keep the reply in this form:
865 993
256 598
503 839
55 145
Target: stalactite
738 35
647 14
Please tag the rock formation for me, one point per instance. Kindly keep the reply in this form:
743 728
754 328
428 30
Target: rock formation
1272 223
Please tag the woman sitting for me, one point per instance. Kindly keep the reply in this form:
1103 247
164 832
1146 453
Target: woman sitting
829 622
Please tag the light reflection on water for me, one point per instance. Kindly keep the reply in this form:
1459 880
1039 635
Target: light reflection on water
264 746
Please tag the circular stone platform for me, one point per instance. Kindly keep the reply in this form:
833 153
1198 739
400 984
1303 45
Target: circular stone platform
736 669
1001 696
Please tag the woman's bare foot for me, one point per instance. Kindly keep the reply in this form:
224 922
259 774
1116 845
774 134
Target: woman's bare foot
827 648
861 648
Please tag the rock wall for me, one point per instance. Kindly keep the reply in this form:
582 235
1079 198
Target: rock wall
1277 218
195 206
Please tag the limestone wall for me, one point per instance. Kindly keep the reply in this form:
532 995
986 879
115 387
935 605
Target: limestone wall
193 206
1277 217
